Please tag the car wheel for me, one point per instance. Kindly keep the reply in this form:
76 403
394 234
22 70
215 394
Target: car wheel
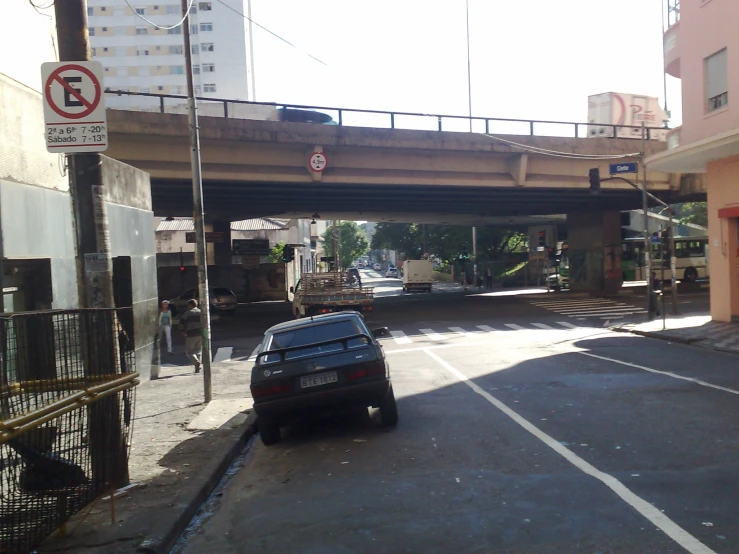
690 275
389 409
269 430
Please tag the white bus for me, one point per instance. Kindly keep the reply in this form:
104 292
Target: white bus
691 261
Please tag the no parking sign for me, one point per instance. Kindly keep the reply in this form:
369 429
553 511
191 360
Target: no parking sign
74 107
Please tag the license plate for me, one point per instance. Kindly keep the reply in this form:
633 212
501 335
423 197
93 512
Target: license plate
319 379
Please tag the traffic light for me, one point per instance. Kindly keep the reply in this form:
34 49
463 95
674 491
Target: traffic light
464 255
542 238
594 180
288 254
182 269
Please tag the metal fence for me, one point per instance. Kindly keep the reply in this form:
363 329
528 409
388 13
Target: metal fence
67 383
355 117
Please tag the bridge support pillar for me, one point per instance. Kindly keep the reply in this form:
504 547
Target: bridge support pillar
222 250
594 251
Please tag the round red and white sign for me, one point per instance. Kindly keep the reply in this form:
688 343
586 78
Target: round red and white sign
72 91
318 161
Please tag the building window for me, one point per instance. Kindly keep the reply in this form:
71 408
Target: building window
209 68
145 89
105 48
177 49
103 9
206 27
141 11
717 90
197 89
193 9
142 51
94 51
105 29
142 31
174 10
122 72
175 31
176 70
119 12
193 29
90 12
144 70
209 87
160 88
177 89
206 47
195 49
91 30
120 51
205 6
196 70
119 31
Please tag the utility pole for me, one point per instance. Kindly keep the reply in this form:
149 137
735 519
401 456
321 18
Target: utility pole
469 63
474 255
201 257
251 53
647 241
334 241
108 451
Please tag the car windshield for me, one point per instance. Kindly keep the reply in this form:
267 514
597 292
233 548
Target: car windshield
313 334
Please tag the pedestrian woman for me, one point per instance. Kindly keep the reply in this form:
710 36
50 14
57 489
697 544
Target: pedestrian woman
165 325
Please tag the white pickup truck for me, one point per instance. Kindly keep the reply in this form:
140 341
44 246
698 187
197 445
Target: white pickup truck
322 293
418 275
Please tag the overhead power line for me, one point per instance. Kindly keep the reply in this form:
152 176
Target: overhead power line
559 154
273 33
189 7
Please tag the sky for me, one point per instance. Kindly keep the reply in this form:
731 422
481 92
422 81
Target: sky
530 59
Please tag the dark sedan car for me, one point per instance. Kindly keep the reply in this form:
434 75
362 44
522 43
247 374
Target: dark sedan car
326 362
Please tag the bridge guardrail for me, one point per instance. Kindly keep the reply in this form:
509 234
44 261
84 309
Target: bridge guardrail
230 109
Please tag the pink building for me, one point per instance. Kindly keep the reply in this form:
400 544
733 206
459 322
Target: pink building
702 49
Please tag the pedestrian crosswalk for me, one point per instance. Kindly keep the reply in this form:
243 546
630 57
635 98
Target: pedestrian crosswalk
582 307
438 334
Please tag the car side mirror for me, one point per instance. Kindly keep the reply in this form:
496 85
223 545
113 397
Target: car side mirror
292 290
380 332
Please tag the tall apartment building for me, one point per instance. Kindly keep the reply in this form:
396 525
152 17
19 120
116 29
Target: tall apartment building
138 57
702 49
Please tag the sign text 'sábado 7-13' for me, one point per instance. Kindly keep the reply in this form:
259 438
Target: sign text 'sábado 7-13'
74 107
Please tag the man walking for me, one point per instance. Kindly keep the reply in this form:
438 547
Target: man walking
190 327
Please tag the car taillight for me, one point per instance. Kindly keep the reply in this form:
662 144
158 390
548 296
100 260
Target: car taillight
325 310
367 308
366 372
270 389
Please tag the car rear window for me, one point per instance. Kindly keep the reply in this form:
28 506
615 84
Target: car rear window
314 334
221 291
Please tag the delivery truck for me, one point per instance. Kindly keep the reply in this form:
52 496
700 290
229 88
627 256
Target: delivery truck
614 108
418 275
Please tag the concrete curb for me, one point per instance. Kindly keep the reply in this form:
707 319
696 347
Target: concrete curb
680 340
166 532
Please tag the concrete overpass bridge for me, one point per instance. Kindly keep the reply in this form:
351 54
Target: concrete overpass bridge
255 168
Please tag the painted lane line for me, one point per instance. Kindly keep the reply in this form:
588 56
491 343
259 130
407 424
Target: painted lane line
462 332
543 326
486 328
578 303
431 334
660 372
400 338
223 354
568 325
515 327
600 309
605 314
651 513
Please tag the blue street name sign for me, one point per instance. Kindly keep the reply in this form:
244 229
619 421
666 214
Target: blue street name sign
629 167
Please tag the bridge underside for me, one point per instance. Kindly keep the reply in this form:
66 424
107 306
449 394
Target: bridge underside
407 203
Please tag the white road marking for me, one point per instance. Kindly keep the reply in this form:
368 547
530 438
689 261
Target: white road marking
660 372
515 327
543 326
651 513
600 309
431 334
462 332
486 328
223 354
568 325
606 314
400 338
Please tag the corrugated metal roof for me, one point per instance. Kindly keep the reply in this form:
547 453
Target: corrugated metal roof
258 224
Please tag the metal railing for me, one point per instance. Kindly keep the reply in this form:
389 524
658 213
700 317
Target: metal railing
229 108
66 411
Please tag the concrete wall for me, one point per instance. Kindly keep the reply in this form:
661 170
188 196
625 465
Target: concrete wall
723 237
594 243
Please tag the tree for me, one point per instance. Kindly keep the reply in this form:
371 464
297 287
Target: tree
692 212
275 254
352 241
405 238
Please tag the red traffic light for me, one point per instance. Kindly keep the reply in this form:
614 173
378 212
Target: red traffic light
182 269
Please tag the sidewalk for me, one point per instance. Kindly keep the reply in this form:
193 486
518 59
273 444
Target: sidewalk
697 330
179 451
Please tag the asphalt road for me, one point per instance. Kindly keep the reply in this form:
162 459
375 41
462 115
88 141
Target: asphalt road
521 430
